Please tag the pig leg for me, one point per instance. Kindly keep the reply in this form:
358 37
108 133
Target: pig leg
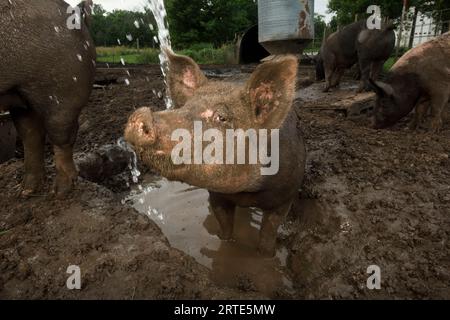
376 68
419 114
330 70
66 172
269 229
337 77
224 212
365 67
30 127
438 103
62 128
61 125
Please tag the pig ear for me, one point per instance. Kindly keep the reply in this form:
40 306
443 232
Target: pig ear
184 78
270 91
381 89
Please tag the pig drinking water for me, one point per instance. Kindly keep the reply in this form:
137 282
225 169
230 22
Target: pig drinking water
354 44
419 79
264 103
46 76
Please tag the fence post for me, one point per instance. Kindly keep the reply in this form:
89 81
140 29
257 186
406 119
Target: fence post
413 28
402 21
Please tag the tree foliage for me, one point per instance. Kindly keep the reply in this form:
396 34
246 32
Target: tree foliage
347 10
110 28
211 21
218 21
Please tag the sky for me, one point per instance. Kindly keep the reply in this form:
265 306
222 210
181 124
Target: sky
109 5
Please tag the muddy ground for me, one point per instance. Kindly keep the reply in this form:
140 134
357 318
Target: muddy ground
370 198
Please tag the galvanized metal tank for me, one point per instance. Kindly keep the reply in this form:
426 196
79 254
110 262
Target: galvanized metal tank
285 26
7 138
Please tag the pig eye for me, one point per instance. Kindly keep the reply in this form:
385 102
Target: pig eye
220 117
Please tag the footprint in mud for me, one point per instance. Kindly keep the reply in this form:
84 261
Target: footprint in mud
182 212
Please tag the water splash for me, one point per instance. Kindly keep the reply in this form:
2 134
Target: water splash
159 11
135 173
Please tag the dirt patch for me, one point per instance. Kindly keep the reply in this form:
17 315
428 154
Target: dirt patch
370 198
385 201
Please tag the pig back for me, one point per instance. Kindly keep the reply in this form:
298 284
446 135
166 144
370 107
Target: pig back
429 61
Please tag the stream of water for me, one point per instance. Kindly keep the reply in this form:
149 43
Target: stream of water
159 11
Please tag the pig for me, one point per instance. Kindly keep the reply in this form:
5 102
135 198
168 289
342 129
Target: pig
419 79
47 72
265 102
355 44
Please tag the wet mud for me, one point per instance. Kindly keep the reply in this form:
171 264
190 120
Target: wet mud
370 198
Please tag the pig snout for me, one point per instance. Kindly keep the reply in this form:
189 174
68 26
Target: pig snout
140 130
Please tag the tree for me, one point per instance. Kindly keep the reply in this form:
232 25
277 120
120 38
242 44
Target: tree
348 10
120 25
212 21
319 26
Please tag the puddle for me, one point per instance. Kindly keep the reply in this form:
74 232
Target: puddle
182 212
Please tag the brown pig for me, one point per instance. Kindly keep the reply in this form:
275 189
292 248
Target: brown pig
264 103
419 79
46 75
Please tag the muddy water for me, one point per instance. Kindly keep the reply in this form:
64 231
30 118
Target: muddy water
183 214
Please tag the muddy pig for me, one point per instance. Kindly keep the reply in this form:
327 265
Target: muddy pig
265 102
419 79
46 75
355 44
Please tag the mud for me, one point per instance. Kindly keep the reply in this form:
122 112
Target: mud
370 198
182 212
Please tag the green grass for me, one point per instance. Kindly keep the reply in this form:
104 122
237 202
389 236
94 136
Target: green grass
389 63
3 232
201 53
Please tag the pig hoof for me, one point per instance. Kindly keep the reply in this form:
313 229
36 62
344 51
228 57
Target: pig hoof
413 126
436 125
61 192
267 250
435 128
63 188
30 186
225 237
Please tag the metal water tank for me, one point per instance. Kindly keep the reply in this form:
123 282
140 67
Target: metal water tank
285 26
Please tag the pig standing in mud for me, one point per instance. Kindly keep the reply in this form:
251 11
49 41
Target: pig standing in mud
354 44
265 102
419 79
46 76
